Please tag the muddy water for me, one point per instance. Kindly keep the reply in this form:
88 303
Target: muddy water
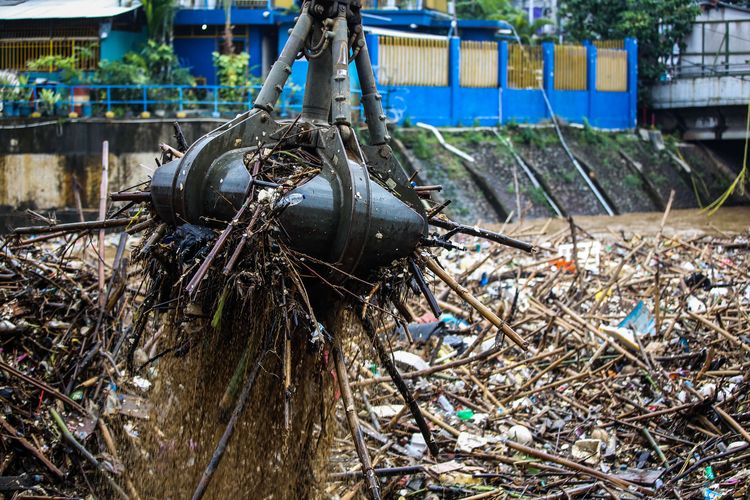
684 222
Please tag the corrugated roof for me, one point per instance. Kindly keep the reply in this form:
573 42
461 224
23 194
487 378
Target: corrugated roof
65 9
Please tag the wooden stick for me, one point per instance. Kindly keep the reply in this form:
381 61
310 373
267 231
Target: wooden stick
195 282
221 447
169 149
434 369
41 385
475 303
390 367
86 453
381 472
719 330
432 418
73 226
31 448
620 483
351 418
658 413
482 233
137 196
419 278
733 424
102 215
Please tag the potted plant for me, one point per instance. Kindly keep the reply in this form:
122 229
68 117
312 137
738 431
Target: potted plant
9 92
48 100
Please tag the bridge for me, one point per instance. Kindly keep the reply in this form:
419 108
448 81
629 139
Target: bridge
706 89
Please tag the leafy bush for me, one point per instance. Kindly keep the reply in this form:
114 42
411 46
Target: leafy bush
156 63
48 98
9 86
130 71
233 70
475 137
591 136
658 26
569 177
163 66
632 181
65 67
536 194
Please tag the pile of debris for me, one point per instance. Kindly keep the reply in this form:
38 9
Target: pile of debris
629 379
62 328
634 385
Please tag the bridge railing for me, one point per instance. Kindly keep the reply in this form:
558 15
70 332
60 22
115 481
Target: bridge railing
716 47
119 101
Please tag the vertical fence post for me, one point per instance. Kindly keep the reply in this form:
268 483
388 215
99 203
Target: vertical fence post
109 99
631 46
454 79
502 78
216 101
591 59
548 74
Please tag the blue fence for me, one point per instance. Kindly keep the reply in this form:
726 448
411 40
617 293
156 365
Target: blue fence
117 101
125 100
501 103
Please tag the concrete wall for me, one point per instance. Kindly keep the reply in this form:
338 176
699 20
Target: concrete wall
118 43
44 181
701 92
38 164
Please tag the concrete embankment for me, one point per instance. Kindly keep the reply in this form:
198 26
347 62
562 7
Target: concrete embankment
525 172
51 165
517 172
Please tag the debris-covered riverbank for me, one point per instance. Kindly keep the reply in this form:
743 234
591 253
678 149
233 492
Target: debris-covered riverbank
634 384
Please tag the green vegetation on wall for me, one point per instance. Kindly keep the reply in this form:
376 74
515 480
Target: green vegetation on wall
156 63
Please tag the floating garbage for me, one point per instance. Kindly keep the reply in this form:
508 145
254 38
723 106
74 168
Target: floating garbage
632 384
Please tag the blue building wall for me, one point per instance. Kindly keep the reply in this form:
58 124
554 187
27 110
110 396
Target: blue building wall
195 53
456 105
251 26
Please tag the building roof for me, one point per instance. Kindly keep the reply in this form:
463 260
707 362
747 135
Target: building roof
64 9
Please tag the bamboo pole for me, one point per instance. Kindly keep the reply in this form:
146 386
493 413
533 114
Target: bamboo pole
475 303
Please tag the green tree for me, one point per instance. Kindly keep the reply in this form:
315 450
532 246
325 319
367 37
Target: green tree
228 35
484 9
502 10
527 33
159 19
657 24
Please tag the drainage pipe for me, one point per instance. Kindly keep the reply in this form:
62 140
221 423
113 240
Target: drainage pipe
441 140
